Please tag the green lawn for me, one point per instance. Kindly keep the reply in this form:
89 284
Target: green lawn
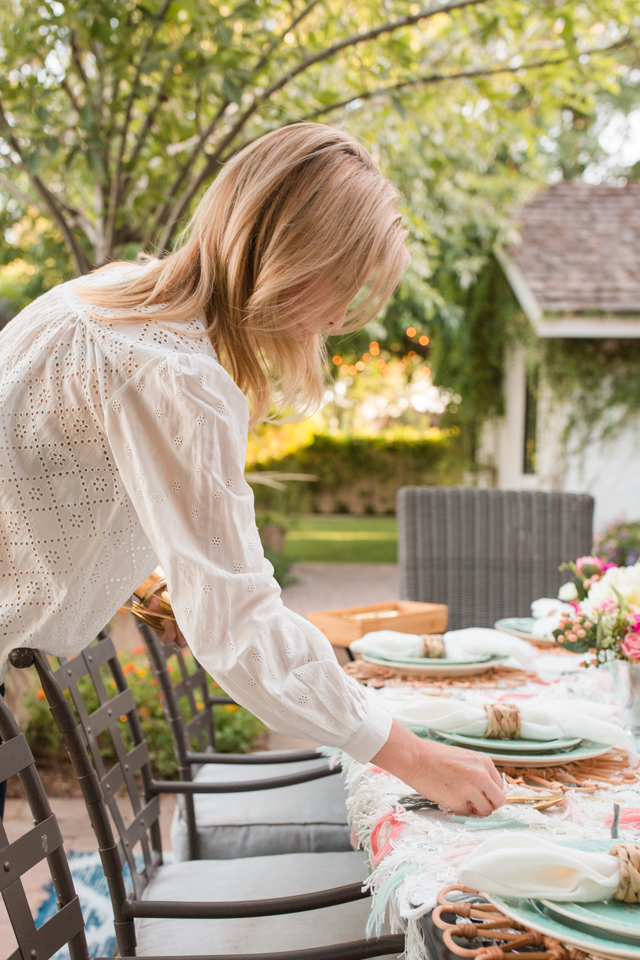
344 539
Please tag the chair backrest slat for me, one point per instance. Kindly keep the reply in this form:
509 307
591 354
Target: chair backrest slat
488 554
42 841
120 762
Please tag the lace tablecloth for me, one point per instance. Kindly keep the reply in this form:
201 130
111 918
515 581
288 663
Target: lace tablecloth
413 854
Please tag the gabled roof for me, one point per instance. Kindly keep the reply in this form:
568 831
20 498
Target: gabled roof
578 265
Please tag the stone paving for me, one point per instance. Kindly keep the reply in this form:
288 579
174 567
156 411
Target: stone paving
319 586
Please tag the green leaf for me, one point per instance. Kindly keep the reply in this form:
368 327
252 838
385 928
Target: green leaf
224 35
621 600
231 90
398 106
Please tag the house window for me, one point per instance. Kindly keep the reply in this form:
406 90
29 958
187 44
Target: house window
530 422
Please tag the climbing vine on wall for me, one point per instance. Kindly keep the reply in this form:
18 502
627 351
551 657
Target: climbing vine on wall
601 378
469 343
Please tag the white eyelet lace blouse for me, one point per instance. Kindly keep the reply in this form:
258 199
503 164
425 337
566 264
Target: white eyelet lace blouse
123 445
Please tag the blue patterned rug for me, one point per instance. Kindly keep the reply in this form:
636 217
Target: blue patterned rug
91 886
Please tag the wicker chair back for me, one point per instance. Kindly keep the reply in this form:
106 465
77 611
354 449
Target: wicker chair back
93 708
488 554
42 841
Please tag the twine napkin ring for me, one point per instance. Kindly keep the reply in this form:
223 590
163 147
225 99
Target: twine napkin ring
433 645
503 721
628 856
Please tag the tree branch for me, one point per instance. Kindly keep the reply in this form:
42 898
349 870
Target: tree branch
277 40
114 193
389 26
76 60
161 96
13 188
424 81
209 129
82 264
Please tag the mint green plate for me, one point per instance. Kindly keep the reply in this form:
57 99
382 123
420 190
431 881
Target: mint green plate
442 661
522 627
511 746
605 927
435 668
533 914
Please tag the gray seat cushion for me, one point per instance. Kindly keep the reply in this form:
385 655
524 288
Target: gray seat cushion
248 879
307 817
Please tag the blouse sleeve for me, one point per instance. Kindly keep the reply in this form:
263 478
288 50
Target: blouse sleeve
178 433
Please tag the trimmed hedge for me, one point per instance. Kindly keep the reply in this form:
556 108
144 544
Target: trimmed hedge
360 475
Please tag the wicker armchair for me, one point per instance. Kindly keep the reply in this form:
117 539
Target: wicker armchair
304 817
488 554
290 916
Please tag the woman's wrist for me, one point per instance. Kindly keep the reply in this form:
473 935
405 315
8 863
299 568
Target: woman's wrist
404 754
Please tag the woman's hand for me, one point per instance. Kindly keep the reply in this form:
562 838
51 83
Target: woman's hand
172 634
464 781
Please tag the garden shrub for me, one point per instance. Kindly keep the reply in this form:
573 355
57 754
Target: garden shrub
360 474
236 729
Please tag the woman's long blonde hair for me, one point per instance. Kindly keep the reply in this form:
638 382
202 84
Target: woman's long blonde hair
299 221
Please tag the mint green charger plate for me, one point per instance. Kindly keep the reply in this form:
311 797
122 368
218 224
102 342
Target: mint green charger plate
585 750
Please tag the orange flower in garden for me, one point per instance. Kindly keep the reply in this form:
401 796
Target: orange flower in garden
141 672
232 706
123 718
129 667
138 651
40 694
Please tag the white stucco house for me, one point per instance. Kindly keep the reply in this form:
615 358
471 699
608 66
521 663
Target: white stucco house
575 274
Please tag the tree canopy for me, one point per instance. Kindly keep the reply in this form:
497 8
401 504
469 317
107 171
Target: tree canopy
115 116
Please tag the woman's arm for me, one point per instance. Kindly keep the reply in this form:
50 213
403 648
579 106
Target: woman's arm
177 431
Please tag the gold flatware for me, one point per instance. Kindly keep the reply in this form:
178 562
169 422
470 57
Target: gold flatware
541 802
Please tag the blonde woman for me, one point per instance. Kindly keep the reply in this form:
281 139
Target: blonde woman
126 400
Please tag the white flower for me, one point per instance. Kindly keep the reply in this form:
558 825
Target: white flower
626 581
568 591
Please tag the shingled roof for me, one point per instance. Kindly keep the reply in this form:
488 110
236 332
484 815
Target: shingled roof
580 250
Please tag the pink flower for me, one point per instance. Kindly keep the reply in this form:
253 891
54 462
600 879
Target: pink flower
631 647
608 605
596 562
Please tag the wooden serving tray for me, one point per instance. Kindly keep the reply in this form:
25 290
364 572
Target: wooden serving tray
344 625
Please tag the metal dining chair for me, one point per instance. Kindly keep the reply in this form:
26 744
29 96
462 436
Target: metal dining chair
157 916
42 842
304 817
488 554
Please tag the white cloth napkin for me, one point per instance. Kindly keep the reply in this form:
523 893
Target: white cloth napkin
485 640
547 612
530 867
388 644
459 644
540 719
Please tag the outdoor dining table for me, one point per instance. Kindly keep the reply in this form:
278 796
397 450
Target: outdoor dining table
414 848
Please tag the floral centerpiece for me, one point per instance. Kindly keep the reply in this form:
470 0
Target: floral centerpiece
606 617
